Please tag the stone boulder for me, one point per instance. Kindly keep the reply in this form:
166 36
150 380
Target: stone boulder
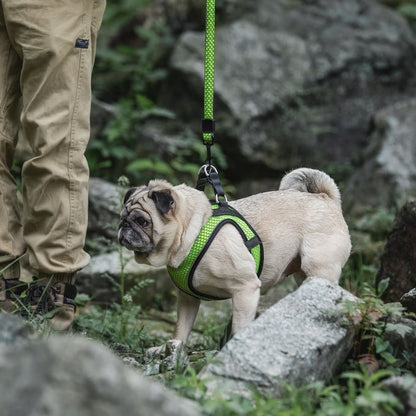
401 334
295 82
408 300
66 376
104 207
398 261
301 339
388 176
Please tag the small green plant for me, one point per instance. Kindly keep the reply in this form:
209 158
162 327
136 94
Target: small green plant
372 316
361 393
358 275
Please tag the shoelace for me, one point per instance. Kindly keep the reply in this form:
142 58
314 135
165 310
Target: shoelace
42 296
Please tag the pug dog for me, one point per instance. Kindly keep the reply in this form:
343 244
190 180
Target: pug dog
301 227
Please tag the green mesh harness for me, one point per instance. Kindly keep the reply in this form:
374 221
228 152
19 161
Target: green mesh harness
222 214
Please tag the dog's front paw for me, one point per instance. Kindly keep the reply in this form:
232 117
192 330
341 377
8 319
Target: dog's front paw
166 357
155 352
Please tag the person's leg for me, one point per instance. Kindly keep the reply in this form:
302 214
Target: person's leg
11 236
55 40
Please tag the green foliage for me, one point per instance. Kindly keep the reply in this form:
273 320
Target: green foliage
369 233
375 222
356 393
132 71
125 62
117 322
212 329
357 275
179 158
115 325
407 8
361 393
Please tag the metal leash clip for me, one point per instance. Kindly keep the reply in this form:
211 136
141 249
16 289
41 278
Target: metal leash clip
209 174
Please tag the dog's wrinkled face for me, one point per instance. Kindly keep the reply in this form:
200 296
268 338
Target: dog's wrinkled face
135 228
142 208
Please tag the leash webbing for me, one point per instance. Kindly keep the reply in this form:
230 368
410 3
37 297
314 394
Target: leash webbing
208 173
208 123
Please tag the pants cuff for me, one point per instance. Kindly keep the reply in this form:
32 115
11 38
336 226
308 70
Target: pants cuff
56 277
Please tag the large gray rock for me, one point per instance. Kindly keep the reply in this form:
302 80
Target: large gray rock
296 81
301 339
388 176
398 261
14 329
66 376
401 334
104 207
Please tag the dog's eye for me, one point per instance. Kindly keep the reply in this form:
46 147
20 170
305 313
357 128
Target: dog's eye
142 222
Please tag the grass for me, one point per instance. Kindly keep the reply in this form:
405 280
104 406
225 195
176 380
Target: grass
353 392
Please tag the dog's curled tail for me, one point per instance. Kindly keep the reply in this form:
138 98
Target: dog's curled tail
311 180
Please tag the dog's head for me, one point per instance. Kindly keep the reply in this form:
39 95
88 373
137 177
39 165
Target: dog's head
147 217
160 222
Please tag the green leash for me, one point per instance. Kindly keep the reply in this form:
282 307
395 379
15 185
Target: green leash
208 173
208 123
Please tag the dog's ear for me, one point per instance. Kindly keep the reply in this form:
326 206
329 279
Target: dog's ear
163 200
129 193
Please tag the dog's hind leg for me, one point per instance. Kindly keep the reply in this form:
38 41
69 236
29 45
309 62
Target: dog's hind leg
323 258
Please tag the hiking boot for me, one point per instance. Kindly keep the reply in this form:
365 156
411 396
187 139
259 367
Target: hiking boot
52 300
10 292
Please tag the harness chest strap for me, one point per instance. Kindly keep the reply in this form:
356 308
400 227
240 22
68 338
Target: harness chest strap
223 214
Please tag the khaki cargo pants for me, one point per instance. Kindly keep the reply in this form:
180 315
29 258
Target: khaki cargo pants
47 50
